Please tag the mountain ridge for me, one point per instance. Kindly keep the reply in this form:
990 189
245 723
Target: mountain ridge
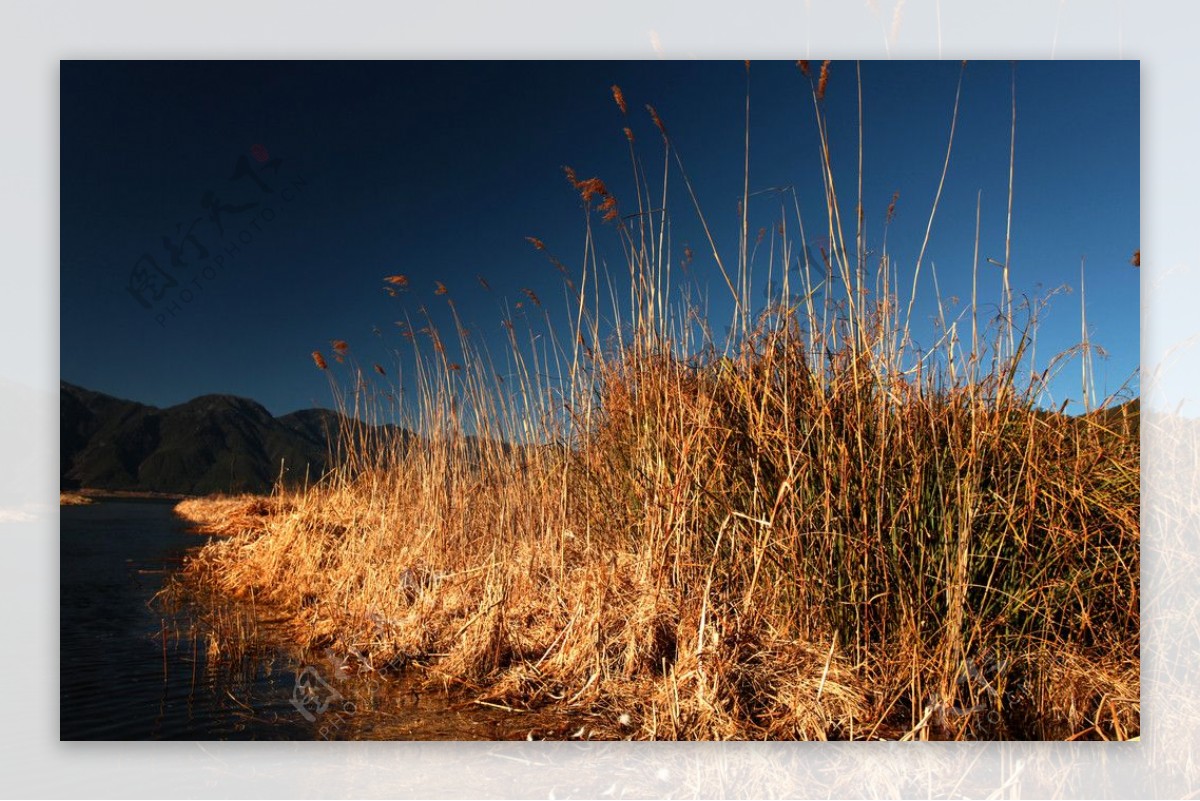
211 443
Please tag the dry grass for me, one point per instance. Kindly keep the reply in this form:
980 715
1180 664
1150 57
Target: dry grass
73 499
226 515
811 531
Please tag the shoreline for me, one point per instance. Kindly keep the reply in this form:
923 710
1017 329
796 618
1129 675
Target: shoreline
86 495
483 648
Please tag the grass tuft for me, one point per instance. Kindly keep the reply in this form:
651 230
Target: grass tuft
809 530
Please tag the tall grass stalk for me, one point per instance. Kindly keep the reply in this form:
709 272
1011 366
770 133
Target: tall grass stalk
809 529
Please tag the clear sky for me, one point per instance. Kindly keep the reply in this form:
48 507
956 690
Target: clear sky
221 220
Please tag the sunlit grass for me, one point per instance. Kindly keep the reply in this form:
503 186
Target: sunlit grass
807 529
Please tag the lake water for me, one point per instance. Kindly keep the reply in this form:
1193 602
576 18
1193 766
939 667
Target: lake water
119 681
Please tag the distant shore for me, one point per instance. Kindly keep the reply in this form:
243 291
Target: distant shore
87 495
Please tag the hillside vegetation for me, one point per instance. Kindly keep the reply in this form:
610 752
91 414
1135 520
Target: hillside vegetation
214 443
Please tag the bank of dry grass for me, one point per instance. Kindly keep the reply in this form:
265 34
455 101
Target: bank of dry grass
811 532
231 514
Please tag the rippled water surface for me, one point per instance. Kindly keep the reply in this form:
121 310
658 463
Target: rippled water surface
117 681
131 671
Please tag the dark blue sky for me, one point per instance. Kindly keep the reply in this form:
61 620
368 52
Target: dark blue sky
439 170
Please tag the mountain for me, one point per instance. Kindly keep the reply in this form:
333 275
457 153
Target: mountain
214 443
1125 418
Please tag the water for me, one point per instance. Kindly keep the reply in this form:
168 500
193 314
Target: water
117 682
131 671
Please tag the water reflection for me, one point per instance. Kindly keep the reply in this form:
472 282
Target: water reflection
140 665
131 671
